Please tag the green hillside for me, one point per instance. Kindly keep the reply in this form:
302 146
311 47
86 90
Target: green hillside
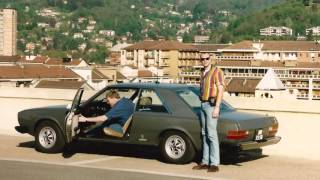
132 19
295 14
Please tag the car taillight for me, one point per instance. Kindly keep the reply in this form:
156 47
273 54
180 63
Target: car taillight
237 134
273 129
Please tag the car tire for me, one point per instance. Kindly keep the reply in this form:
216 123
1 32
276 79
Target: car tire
49 138
176 148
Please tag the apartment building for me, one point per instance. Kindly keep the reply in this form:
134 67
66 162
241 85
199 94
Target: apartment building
276 31
315 31
8 32
296 63
167 58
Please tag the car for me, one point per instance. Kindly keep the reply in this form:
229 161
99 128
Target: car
166 116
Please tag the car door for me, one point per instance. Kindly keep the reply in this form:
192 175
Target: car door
150 118
72 118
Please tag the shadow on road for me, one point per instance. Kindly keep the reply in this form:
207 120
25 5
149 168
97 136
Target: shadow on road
143 152
29 144
110 149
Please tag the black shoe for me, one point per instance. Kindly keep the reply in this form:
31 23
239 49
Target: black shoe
213 168
200 166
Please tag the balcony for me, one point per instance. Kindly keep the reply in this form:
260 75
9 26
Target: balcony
129 56
316 97
149 56
190 74
316 86
299 86
235 57
253 75
303 96
298 76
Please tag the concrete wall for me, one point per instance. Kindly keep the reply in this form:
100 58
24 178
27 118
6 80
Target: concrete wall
274 104
13 100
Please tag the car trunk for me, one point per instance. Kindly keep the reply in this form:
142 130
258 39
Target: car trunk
255 124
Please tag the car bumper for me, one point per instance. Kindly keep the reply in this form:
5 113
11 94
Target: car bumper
21 129
257 144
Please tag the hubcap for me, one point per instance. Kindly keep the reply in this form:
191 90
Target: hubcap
175 147
47 137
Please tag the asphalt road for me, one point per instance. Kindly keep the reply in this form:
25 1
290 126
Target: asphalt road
19 160
15 170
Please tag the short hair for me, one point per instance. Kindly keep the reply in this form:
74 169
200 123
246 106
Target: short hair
113 94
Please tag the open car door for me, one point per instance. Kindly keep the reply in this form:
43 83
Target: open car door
72 119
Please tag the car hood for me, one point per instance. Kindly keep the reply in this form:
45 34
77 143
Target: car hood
55 107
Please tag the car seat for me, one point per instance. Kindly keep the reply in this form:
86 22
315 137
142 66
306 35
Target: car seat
110 132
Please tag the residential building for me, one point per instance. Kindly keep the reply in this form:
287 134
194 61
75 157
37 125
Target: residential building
201 39
8 32
115 53
296 64
164 58
276 31
315 31
160 54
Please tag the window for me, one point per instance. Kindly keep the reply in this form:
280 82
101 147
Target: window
149 101
123 92
191 97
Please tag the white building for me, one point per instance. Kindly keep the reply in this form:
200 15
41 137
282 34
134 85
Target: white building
276 31
314 30
108 33
78 35
8 32
201 39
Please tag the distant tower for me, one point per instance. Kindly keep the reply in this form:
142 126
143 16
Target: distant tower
8 32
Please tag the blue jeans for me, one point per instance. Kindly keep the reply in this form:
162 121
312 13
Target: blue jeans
211 153
98 129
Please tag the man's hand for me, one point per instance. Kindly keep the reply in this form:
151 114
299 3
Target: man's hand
216 111
82 118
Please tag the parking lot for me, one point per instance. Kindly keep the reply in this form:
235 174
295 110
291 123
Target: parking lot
138 162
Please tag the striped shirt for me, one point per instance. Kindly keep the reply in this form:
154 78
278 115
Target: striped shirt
210 82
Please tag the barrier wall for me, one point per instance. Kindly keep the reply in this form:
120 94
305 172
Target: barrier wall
13 100
272 104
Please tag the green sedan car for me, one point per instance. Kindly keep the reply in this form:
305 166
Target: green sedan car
166 116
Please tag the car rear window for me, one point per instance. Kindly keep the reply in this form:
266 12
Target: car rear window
191 97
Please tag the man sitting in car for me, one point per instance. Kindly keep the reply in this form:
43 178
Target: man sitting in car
115 119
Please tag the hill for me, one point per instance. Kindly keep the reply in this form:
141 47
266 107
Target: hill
295 14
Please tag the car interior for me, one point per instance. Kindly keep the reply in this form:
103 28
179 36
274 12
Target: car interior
98 106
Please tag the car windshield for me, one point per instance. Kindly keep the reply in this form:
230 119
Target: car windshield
191 97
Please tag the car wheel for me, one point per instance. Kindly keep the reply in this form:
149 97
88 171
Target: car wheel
49 138
176 148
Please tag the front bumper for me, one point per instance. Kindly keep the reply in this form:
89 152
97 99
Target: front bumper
21 129
257 144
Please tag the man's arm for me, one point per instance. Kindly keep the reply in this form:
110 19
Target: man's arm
93 119
216 110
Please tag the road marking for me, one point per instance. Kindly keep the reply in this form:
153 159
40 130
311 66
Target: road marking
94 160
112 169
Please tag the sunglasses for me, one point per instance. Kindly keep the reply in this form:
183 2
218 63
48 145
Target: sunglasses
202 59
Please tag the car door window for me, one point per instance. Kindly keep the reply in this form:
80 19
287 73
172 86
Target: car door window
123 92
149 101
98 106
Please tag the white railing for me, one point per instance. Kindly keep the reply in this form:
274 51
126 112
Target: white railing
189 73
303 96
306 86
316 86
235 57
316 97
244 75
300 76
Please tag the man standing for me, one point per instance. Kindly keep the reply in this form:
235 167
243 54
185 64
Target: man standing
211 92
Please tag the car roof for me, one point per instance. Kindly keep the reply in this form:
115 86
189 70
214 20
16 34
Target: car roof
171 86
